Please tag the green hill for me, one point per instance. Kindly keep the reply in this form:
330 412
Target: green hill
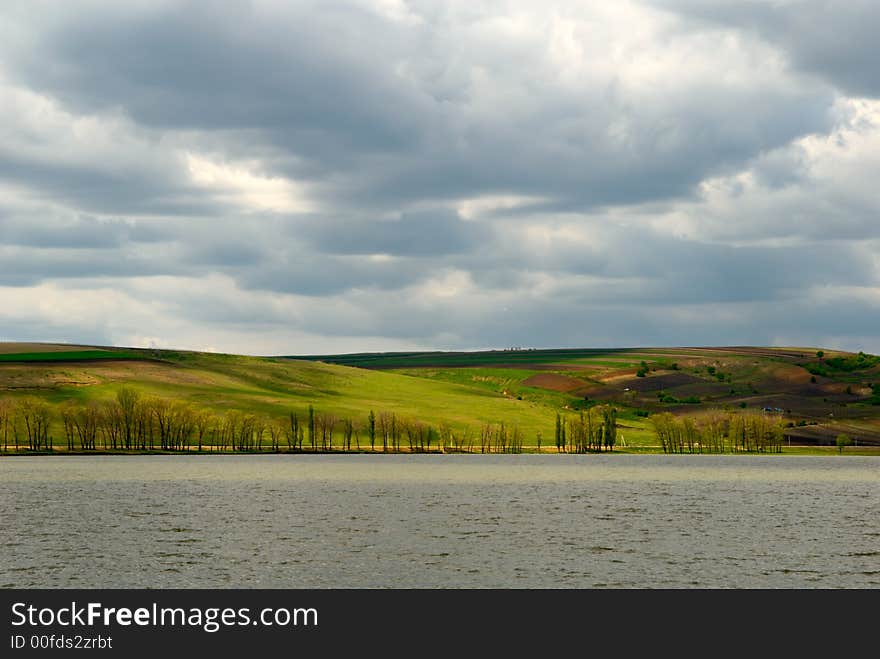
268 387
818 395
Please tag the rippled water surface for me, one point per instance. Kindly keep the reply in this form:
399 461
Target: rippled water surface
473 521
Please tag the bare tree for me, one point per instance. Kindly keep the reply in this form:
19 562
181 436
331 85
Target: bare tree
277 429
246 432
260 426
292 432
35 416
347 432
486 433
68 419
445 436
384 423
203 421
127 399
327 424
88 421
5 421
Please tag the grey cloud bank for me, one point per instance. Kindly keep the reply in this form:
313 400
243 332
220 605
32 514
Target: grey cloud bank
279 178
833 40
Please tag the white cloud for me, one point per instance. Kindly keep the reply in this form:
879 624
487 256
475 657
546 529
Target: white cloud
243 185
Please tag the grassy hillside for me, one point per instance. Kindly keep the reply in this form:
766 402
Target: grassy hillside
819 394
268 387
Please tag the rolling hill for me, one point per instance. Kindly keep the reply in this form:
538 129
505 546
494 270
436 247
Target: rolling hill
818 394
821 393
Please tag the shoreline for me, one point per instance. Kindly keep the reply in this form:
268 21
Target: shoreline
821 451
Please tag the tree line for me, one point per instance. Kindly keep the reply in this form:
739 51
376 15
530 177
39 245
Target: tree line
591 430
719 433
133 422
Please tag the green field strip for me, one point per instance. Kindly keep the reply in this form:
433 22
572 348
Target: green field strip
73 355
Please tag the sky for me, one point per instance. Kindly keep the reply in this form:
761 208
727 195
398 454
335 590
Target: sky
332 176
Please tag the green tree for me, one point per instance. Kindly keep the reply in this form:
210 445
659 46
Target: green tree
293 431
609 423
843 440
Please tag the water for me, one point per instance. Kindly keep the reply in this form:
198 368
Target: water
461 521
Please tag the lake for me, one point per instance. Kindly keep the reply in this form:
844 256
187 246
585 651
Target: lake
431 521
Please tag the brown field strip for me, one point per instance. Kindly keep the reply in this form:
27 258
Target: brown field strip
554 382
15 348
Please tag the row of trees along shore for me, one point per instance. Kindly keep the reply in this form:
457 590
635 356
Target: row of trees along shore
132 422
592 430
720 433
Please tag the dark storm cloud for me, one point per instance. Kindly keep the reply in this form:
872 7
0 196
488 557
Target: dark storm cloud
678 272
361 104
556 322
670 147
487 174
437 232
312 74
223 253
45 229
84 186
638 266
314 274
26 267
837 40
79 234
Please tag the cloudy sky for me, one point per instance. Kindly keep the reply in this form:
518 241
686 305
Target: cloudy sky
276 177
